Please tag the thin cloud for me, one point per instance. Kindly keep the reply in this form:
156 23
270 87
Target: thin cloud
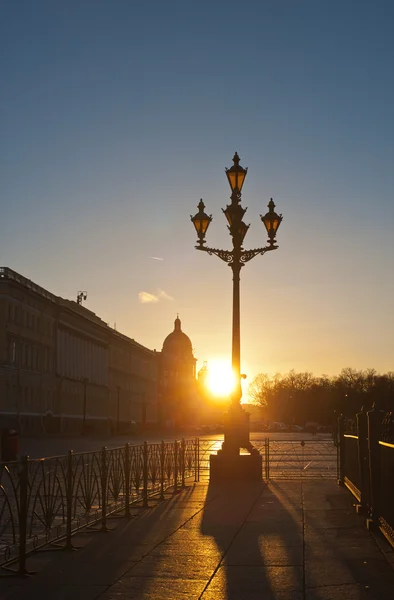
156 258
147 298
162 294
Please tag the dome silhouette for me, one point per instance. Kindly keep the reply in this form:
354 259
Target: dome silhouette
177 343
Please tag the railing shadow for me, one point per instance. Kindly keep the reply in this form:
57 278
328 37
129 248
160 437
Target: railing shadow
122 559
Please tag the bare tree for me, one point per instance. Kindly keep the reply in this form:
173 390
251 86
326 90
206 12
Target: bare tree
262 389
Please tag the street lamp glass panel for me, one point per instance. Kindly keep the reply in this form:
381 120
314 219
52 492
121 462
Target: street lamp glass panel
271 220
236 179
236 174
201 223
201 220
243 228
228 214
234 213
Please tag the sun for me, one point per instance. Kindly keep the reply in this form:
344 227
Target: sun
220 380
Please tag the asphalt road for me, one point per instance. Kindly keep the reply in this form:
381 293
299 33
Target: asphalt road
40 447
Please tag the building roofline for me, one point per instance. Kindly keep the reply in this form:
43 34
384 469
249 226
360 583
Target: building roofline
8 274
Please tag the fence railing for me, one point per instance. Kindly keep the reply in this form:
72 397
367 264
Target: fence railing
285 458
45 501
367 466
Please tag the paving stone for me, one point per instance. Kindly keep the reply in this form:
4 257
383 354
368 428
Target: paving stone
325 501
323 551
349 592
175 567
248 580
344 570
149 588
175 547
262 553
269 533
335 536
222 536
262 511
195 522
337 518
88 574
249 594
55 592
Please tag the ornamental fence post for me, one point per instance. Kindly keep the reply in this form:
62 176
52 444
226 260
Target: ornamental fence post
374 428
198 459
23 510
104 488
341 450
127 479
175 466
195 460
183 462
267 458
362 446
162 465
69 501
145 476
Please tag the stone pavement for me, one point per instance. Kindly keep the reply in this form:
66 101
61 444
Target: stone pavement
289 540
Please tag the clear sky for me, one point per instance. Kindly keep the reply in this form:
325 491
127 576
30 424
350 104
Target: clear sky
117 116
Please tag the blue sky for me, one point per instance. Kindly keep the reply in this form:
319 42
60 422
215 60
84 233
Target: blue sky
117 117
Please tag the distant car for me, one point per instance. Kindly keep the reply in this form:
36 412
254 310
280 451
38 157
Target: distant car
276 426
325 429
205 429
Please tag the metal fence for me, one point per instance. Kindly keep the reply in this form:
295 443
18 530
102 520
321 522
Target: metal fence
45 501
367 467
349 458
285 459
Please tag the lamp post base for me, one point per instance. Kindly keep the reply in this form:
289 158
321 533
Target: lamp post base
225 467
228 464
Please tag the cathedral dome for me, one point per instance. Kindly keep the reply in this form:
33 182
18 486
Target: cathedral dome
177 342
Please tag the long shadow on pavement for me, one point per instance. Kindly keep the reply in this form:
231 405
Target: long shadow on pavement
260 537
119 564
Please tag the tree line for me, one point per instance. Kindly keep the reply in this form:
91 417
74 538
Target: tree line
298 398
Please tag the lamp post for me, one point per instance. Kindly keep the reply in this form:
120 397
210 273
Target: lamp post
237 426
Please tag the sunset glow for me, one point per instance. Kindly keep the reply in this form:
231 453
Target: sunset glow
220 378
103 129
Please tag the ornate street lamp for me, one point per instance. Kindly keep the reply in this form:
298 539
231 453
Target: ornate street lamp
237 426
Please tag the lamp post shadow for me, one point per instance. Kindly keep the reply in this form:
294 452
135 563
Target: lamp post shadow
259 533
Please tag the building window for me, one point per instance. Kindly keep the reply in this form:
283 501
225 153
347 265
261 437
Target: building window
12 353
23 361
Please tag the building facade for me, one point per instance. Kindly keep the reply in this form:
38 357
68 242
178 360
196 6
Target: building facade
64 369
27 350
133 383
